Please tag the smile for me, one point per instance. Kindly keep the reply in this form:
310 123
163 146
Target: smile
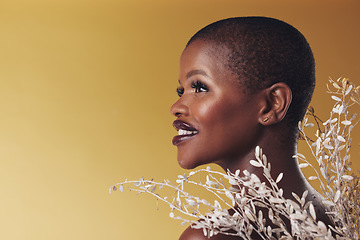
185 131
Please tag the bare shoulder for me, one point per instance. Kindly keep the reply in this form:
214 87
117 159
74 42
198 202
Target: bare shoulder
197 234
192 234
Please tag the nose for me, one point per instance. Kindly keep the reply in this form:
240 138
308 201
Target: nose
179 108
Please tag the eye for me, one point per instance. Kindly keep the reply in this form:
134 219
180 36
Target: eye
180 91
199 87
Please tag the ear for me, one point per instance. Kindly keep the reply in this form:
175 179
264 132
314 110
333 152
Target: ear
277 101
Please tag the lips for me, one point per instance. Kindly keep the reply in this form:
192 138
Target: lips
185 131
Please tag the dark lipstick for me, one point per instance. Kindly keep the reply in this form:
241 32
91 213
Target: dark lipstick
185 131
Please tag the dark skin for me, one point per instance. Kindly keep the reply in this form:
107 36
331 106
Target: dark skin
231 123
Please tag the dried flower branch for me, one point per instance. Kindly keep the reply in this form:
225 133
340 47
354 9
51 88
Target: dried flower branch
331 150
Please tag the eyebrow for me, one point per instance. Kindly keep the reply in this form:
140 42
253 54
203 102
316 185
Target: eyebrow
195 72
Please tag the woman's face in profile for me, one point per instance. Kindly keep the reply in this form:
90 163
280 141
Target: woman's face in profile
216 121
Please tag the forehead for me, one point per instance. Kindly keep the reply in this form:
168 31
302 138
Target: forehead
200 55
206 50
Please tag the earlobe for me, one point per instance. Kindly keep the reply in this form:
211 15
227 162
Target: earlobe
277 101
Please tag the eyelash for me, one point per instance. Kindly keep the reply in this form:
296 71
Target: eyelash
180 91
197 85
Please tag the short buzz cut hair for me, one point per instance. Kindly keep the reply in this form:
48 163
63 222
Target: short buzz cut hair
264 51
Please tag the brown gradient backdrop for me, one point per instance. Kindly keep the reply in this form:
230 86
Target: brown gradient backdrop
85 91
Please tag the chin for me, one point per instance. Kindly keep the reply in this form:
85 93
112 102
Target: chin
186 164
191 163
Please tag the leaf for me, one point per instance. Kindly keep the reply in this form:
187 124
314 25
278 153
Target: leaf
204 232
264 159
341 138
184 222
327 143
328 203
336 109
336 98
257 151
267 172
305 193
229 195
271 214
248 214
139 182
312 211
276 200
322 227
296 197
347 177
298 216
217 204
260 216
336 85
246 172
191 202
255 163
278 179
303 165
348 90
333 120
337 196
346 122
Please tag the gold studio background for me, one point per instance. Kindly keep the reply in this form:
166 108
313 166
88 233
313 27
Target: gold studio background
85 91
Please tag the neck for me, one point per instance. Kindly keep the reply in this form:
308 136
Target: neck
280 154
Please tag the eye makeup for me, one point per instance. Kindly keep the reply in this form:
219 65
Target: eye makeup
180 91
199 86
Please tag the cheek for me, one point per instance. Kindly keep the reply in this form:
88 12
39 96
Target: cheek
222 114
210 110
230 121
205 110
